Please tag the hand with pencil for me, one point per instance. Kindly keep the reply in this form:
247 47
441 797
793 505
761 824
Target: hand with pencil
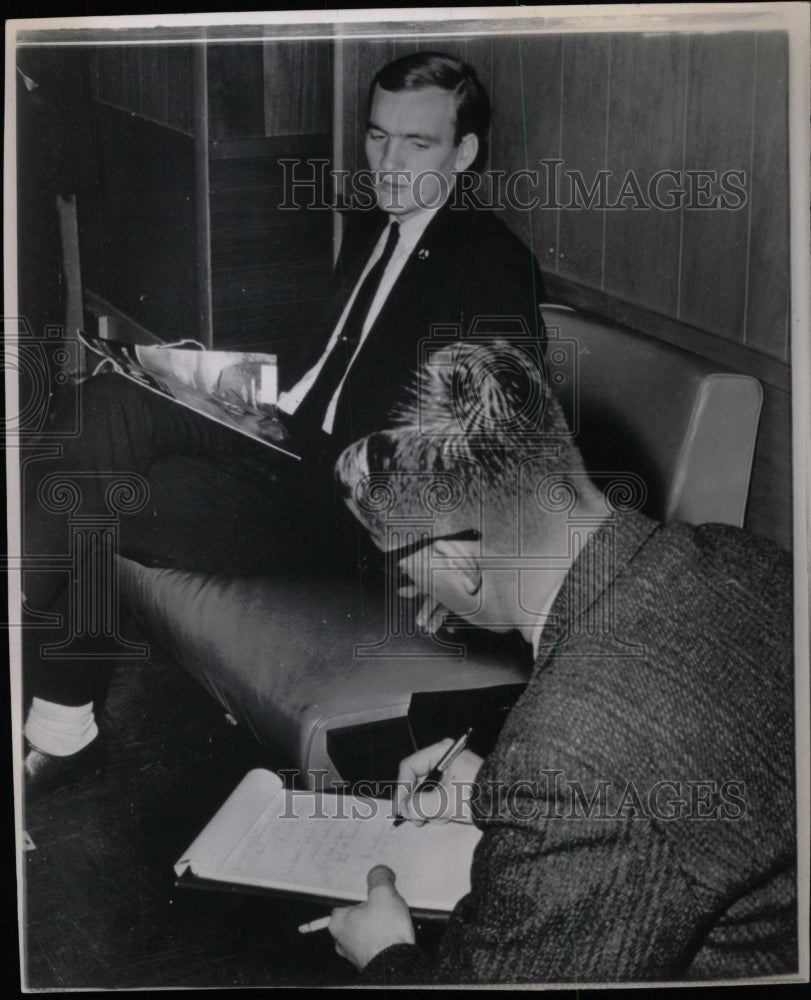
435 784
360 932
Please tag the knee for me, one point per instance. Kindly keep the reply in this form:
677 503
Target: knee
106 392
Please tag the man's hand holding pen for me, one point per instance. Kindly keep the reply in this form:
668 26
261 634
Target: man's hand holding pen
433 785
447 797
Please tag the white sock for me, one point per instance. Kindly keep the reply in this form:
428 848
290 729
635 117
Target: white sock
60 729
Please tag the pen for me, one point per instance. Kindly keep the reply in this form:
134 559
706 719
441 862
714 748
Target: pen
314 925
444 763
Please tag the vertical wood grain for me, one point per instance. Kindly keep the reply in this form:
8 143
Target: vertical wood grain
154 83
297 88
109 75
526 95
179 85
645 131
718 138
235 91
585 93
768 266
202 208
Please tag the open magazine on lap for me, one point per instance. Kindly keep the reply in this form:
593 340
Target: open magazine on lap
235 388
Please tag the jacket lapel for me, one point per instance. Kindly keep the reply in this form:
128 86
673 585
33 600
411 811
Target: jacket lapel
433 258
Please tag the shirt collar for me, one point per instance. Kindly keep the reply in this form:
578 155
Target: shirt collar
411 229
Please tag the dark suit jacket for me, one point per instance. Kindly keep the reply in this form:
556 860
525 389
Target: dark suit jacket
467 265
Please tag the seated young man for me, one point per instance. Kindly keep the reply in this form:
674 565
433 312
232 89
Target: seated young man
213 502
638 809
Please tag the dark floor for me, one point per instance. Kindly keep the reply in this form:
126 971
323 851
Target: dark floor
101 906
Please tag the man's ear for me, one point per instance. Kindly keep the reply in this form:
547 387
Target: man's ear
467 151
462 559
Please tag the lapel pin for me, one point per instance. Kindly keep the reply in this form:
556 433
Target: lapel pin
424 254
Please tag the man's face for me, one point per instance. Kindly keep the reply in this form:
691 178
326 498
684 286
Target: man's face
410 140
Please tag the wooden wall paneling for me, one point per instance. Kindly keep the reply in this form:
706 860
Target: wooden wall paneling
356 67
351 63
585 90
154 83
179 87
109 75
267 267
728 355
718 137
769 511
235 91
645 135
526 95
148 231
130 79
356 87
345 96
767 302
297 78
477 51
202 210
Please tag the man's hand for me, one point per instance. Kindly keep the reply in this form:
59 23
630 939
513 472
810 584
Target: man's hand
362 931
451 801
272 425
431 616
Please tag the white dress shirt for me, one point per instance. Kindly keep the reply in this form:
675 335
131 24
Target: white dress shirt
410 233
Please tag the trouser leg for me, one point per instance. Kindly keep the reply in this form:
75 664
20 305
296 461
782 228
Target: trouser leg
198 507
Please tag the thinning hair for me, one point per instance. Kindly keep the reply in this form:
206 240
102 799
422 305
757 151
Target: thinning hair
437 69
475 415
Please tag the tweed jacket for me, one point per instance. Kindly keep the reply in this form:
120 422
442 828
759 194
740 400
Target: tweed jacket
651 830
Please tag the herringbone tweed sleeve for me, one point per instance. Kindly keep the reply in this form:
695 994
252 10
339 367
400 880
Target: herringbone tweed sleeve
649 833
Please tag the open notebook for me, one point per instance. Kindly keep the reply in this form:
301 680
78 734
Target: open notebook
321 847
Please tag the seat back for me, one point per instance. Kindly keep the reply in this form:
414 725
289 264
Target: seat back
638 405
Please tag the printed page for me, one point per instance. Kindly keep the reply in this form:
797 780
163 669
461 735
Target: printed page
201 370
228 387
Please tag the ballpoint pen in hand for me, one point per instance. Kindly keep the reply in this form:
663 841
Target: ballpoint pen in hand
434 776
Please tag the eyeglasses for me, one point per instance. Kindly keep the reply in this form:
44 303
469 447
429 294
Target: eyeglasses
395 556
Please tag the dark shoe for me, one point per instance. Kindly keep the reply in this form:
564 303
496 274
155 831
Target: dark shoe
45 773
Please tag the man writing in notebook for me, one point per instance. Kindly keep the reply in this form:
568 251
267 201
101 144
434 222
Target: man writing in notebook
218 503
638 807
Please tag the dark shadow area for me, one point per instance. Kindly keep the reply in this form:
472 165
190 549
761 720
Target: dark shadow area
102 907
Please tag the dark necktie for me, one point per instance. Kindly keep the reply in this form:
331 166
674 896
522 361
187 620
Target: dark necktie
310 413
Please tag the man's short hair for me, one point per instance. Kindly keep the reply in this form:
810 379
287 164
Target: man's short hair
478 413
436 69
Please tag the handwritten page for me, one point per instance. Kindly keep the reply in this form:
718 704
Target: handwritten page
324 845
